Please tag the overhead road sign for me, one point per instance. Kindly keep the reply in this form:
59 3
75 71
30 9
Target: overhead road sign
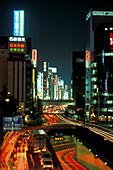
12 124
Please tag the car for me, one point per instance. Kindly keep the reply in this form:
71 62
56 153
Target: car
45 155
47 164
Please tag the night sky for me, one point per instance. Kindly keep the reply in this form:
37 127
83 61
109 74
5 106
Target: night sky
57 28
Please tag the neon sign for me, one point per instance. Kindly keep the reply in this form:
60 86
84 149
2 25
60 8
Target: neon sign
111 40
18 23
88 16
103 13
34 57
87 55
16 47
17 39
99 13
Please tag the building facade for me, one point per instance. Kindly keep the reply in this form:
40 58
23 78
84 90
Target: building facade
78 78
99 51
15 61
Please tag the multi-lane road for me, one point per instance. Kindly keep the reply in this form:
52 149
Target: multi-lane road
22 160
104 130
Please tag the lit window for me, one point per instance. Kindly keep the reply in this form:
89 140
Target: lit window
106 29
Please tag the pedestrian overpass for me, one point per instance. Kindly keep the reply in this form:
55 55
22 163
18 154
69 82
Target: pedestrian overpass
55 105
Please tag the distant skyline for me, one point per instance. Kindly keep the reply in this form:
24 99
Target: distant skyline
56 27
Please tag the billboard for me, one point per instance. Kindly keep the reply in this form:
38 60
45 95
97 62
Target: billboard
18 23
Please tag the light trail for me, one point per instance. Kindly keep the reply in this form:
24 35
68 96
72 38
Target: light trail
67 161
106 135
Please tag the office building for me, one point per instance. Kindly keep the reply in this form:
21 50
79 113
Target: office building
78 78
99 51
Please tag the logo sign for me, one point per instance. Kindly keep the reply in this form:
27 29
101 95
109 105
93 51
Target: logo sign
17 39
79 60
103 13
12 124
18 23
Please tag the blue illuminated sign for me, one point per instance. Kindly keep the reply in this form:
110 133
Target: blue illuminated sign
18 23
12 124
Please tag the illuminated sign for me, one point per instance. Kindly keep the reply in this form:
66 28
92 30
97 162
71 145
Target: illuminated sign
17 47
111 40
66 87
47 84
34 57
12 124
40 85
33 81
18 23
53 69
99 13
102 13
88 59
59 138
17 39
105 84
88 16
87 55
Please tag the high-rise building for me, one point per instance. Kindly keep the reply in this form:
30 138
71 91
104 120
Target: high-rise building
15 62
53 85
78 78
99 63
3 63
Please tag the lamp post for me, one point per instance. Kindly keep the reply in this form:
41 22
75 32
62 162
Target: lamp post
7 100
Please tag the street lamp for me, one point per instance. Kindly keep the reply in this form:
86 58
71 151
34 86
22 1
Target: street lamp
9 92
7 100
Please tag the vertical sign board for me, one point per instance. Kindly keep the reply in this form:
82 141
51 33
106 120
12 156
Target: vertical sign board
18 23
34 57
33 81
111 40
12 124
